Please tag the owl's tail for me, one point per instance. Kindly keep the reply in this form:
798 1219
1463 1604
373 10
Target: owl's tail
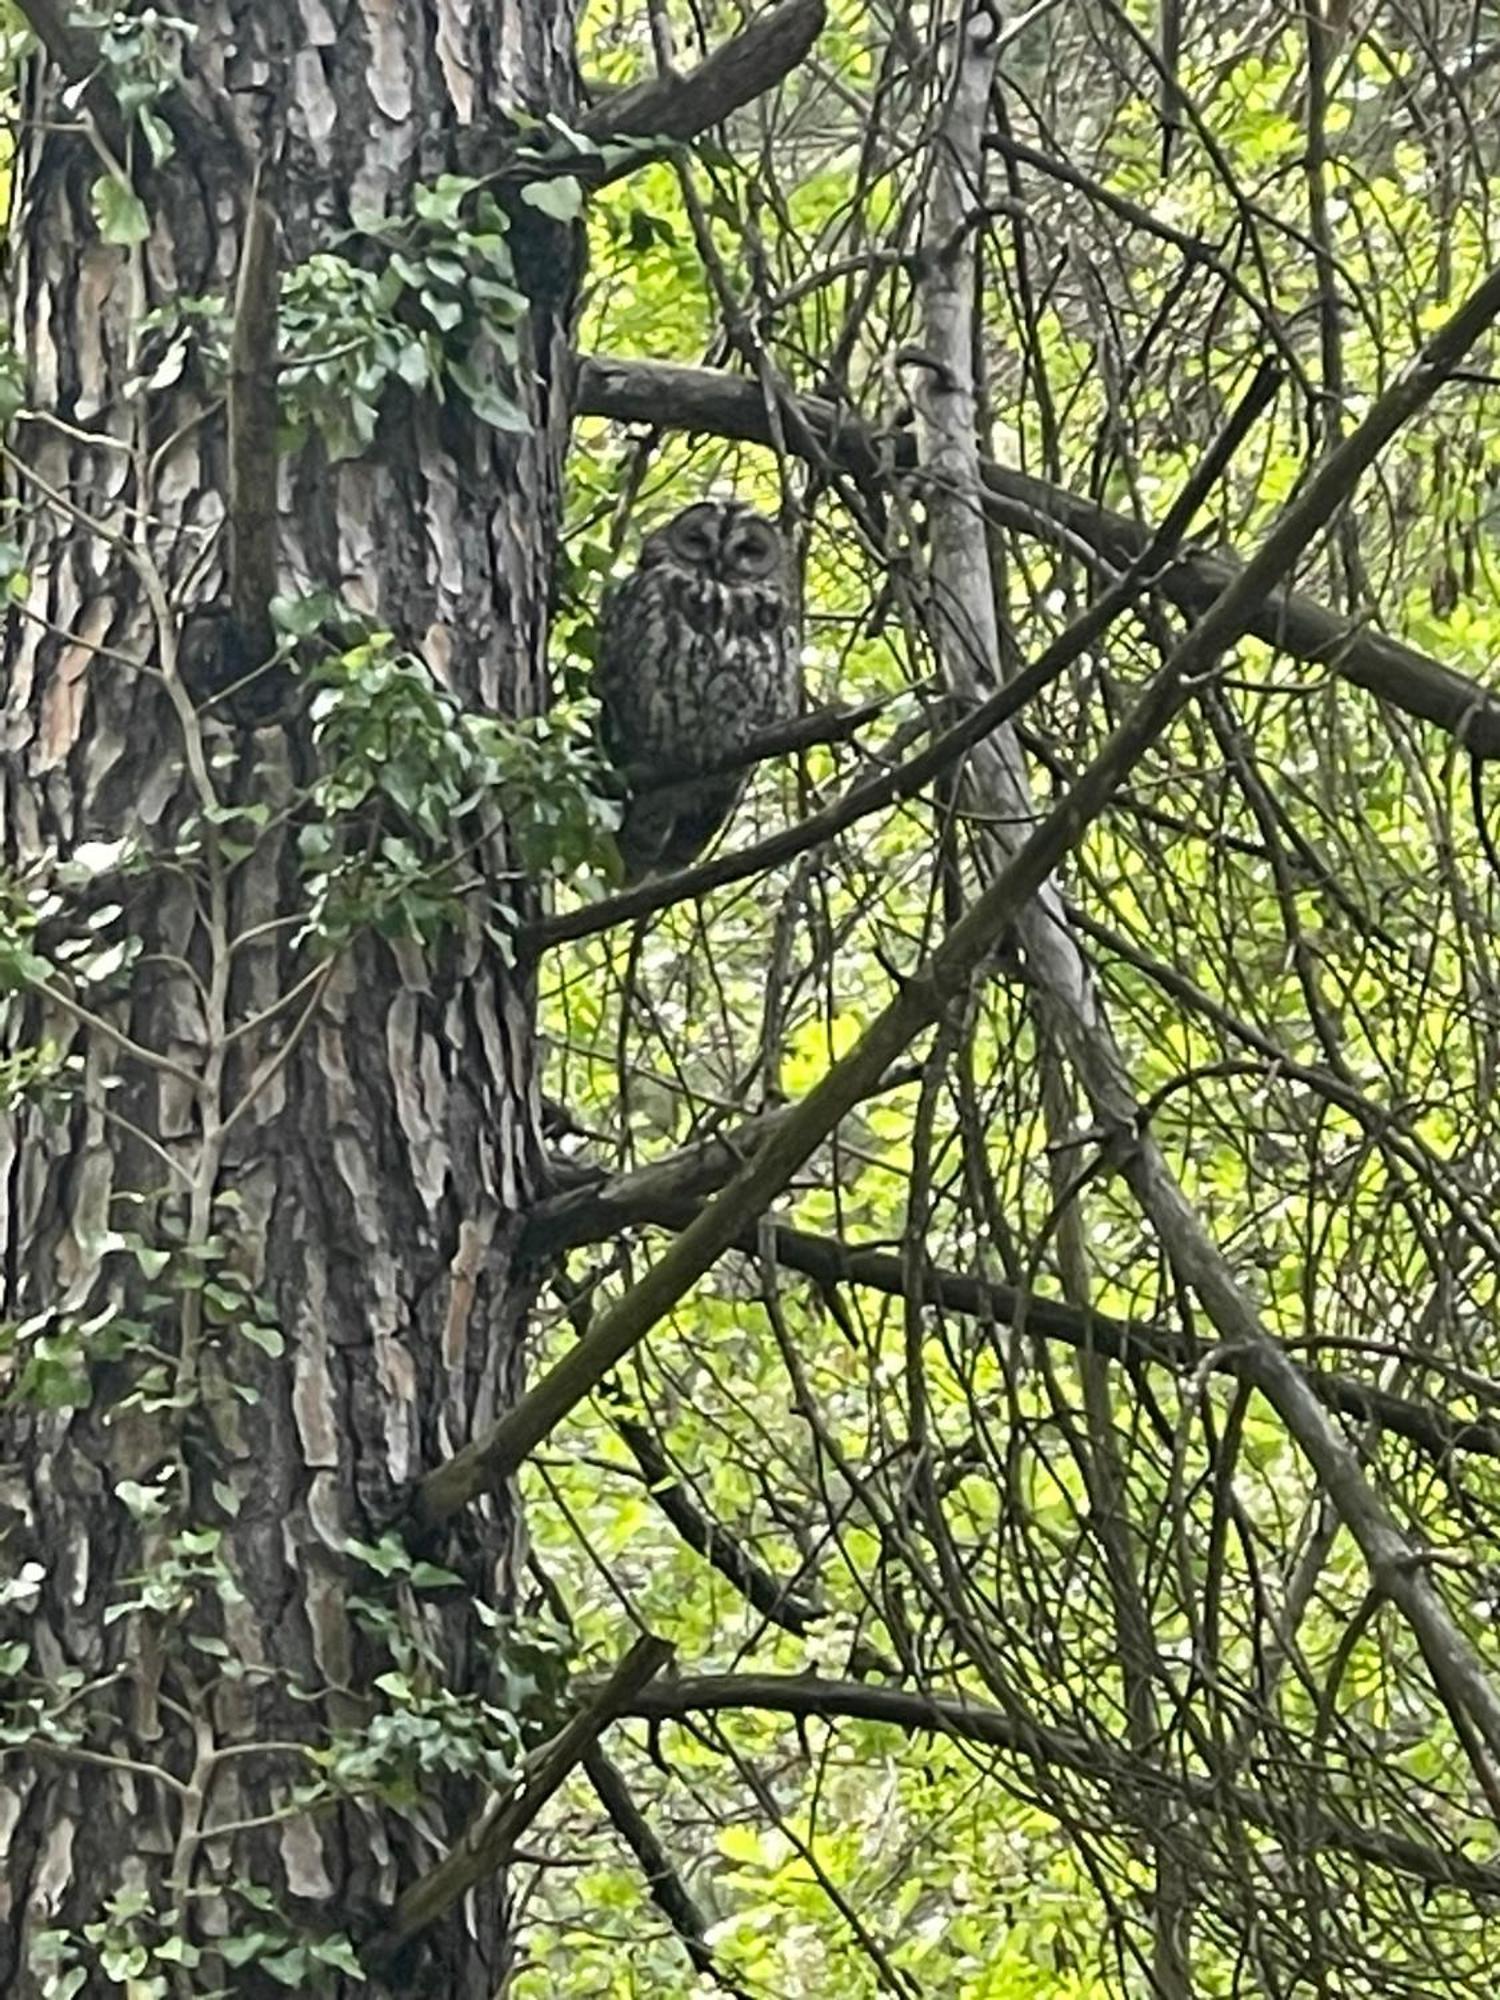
668 829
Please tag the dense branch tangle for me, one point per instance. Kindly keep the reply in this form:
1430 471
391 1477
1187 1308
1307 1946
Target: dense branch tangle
1240 964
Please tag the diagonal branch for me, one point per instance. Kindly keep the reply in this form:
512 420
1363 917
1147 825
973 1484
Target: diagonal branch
744 68
705 399
723 1551
664 1884
488 1843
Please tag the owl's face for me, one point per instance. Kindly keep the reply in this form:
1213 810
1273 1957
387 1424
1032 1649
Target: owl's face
723 540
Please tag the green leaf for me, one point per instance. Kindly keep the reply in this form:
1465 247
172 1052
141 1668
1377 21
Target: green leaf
119 211
562 198
387 1556
268 1339
177 1951
338 1950
489 403
430 1576
444 313
287 1968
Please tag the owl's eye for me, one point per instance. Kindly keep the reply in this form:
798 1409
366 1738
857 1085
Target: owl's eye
752 549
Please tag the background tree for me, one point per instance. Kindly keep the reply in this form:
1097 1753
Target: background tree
1060 1455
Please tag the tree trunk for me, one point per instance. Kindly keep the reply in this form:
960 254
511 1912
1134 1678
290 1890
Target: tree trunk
350 1146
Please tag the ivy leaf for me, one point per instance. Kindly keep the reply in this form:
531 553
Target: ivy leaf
268 1339
158 135
445 313
337 1950
177 1951
429 1576
119 211
488 402
562 198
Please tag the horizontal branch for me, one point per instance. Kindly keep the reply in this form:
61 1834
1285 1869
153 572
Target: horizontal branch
1138 1788
833 724
742 69
664 1194
597 1212
705 399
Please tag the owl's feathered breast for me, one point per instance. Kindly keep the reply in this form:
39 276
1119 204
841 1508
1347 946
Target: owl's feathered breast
690 667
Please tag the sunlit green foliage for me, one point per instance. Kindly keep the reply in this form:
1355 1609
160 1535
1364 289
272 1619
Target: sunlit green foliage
1293 924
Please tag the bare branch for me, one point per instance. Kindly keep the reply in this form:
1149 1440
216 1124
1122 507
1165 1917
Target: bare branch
710 1539
1137 1788
680 107
834 724
493 1456
946 398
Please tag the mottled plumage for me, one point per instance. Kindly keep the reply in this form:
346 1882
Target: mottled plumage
697 653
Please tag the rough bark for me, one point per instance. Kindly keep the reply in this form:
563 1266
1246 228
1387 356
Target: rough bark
375 1127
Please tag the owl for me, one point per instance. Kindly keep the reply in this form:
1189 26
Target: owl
697 652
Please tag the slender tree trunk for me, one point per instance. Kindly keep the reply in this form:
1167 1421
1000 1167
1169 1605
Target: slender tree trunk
351 1147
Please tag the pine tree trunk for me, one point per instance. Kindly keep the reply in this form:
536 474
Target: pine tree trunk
355 1150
